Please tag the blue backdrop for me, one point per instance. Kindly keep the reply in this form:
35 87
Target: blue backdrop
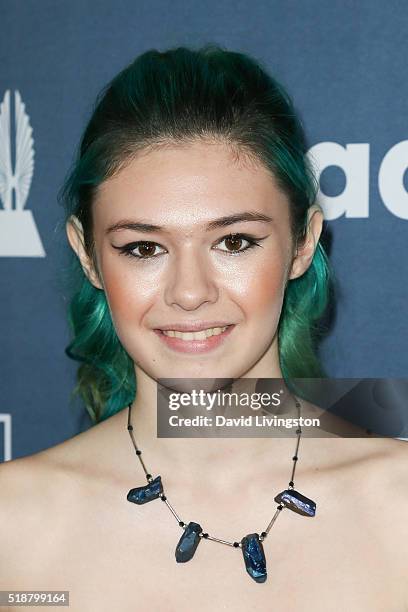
344 63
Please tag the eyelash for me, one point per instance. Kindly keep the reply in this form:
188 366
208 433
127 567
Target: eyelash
128 249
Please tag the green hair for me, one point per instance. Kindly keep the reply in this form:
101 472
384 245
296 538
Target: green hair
181 95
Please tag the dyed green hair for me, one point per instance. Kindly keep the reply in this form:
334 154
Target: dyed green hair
181 95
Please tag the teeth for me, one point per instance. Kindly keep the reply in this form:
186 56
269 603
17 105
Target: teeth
200 335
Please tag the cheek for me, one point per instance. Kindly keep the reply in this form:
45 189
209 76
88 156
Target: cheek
260 290
128 294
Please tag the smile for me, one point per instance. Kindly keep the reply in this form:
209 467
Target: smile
197 341
201 335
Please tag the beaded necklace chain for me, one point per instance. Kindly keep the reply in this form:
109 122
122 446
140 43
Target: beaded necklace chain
251 544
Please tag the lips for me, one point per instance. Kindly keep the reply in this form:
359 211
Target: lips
194 345
195 335
193 326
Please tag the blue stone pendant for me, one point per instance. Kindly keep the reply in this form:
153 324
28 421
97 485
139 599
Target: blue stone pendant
141 495
297 502
254 557
188 542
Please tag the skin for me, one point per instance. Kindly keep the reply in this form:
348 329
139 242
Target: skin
195 278
66 522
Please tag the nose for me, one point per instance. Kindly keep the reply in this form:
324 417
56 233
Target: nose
190 282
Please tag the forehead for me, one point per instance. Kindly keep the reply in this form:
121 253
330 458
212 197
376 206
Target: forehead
188 185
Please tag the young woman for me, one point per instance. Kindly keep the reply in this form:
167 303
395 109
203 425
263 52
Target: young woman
191 206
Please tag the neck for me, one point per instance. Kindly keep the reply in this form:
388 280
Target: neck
222 463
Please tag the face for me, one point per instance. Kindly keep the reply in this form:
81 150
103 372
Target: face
193 268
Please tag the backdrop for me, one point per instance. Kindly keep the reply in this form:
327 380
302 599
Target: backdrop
344 63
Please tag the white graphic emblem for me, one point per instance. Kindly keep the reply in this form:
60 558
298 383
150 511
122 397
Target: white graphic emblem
18 232
6 420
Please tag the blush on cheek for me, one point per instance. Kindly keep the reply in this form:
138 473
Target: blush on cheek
261 293
129 299
117 296
120 298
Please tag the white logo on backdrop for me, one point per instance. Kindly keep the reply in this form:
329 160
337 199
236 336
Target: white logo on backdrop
18 232
354 160
6 420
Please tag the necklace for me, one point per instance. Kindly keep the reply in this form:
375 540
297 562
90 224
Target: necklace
251 544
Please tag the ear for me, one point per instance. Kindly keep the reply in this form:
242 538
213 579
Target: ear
306 250
75 236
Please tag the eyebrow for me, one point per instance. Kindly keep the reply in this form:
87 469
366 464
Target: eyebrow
141 226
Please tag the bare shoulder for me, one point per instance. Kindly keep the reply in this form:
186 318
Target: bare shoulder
390 497
20 514
382 465
25 481
22 481
35 486
391 463
36 495
49 499
369 484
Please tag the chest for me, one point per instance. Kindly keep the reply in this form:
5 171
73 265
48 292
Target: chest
124 558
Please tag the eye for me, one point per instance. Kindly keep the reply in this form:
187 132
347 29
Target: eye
146 249
235 242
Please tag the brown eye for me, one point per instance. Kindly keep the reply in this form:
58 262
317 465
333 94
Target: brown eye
234 242
146 249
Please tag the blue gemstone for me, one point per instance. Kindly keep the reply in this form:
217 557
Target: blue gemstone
188 542
254 557
141 495
297 502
